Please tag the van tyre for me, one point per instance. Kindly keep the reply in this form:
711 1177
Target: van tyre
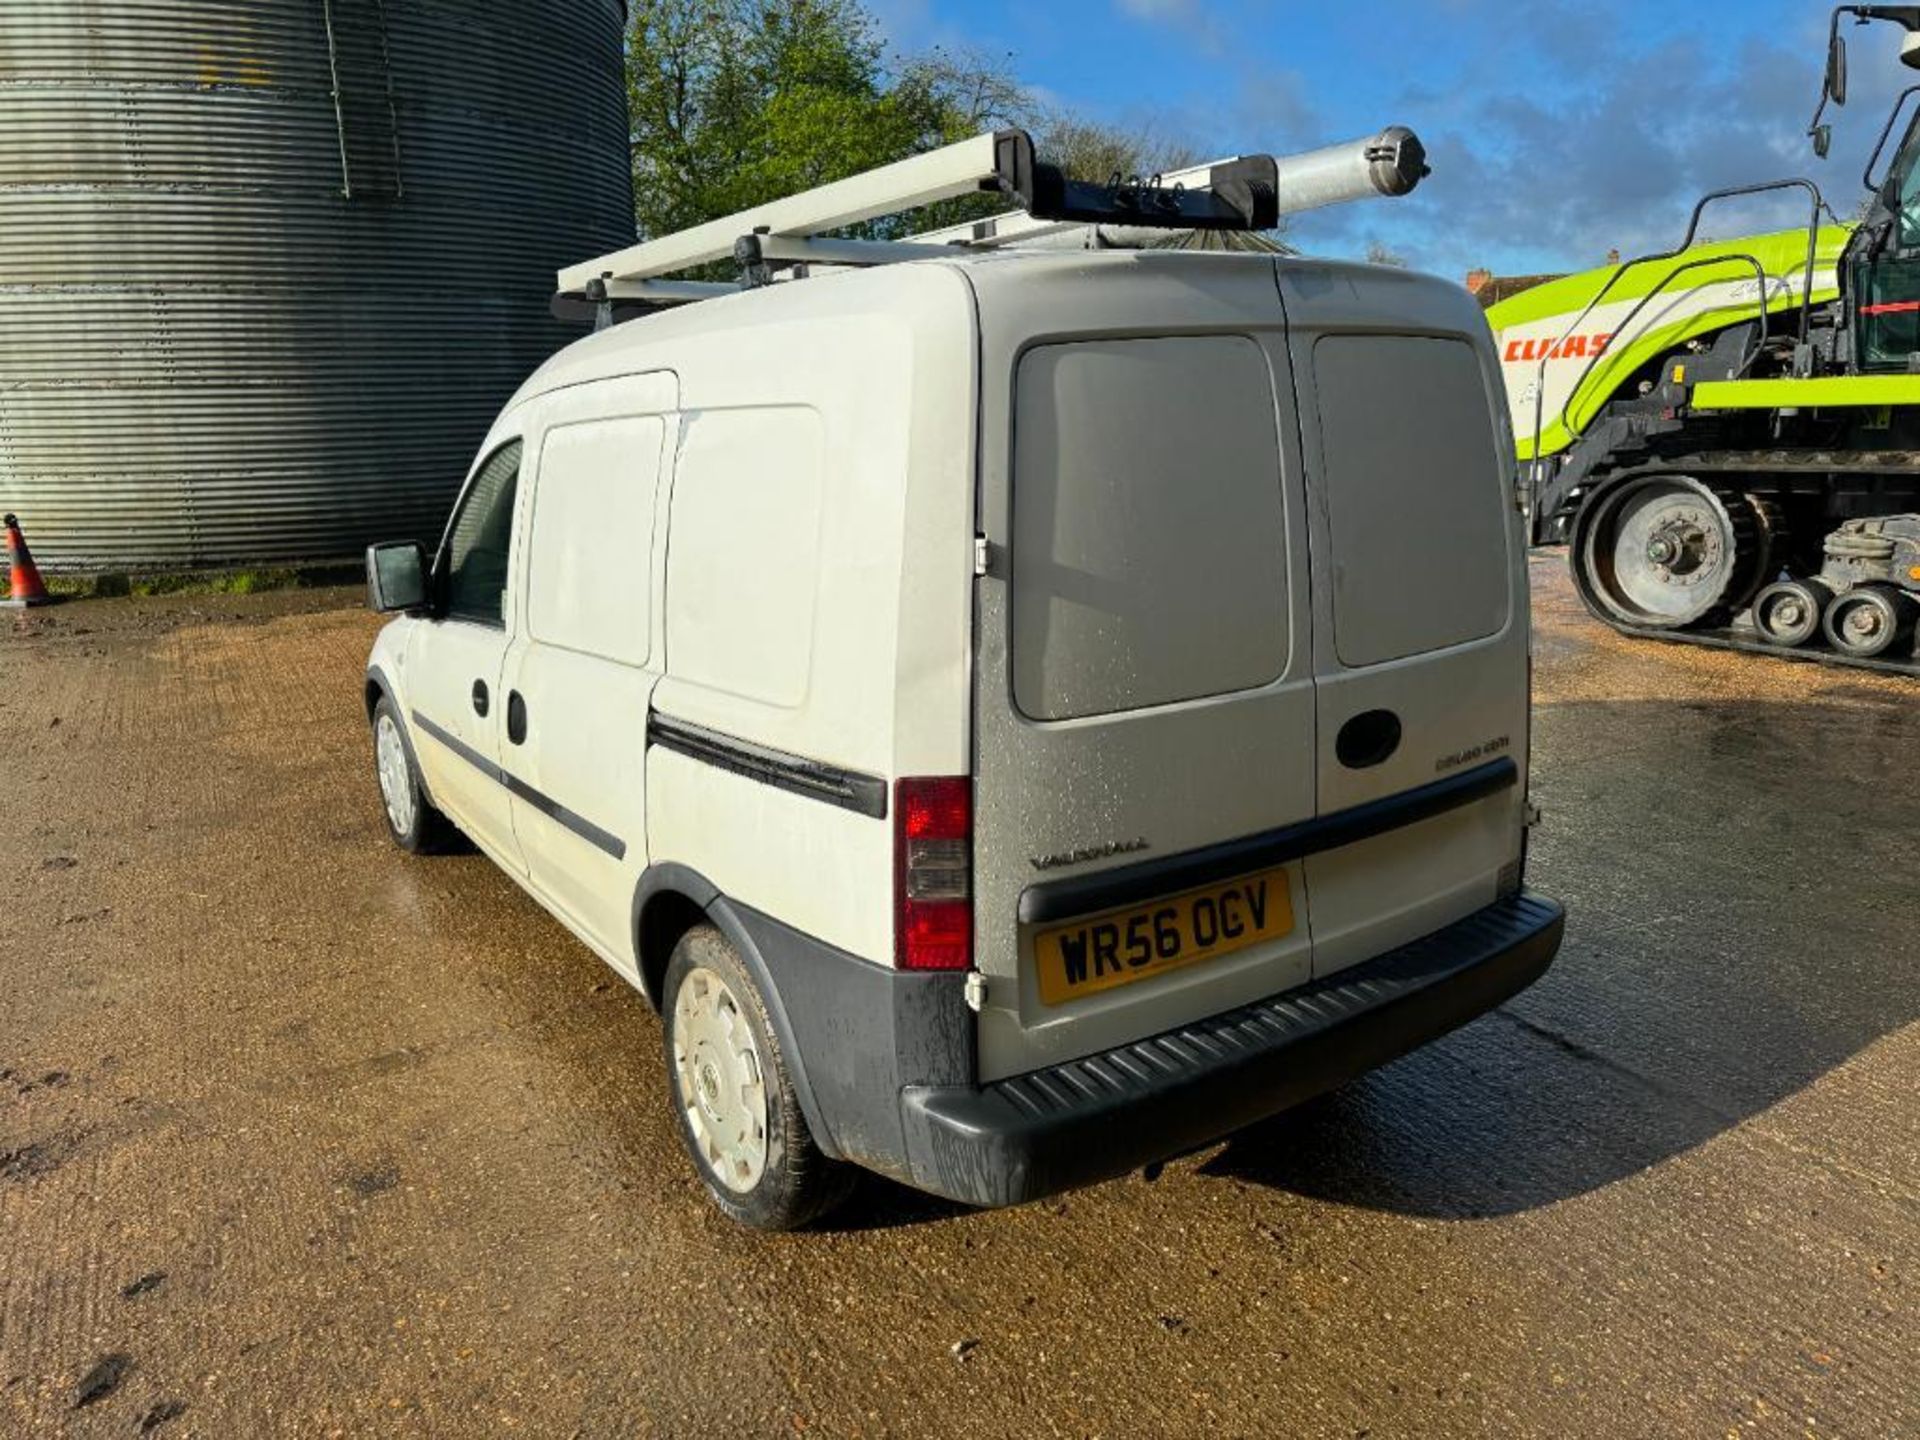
733 1094
415 825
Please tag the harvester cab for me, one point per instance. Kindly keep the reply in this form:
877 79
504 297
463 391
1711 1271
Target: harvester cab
1726 434
1879 270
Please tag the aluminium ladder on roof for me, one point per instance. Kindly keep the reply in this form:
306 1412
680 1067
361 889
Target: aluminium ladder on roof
1238 195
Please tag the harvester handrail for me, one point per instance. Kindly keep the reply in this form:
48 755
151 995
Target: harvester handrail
1686 244
1753 350
1886 132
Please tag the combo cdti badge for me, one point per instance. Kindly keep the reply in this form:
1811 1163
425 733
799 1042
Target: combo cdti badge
1017 714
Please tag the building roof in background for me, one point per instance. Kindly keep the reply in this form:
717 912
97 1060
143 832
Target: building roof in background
1490 289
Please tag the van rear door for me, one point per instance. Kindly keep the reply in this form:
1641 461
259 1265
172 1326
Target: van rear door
1420 622
1144 690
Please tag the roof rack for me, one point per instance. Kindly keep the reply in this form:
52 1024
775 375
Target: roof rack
1239 196
1244 193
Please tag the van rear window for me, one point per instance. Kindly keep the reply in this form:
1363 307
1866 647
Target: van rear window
1149 534
1416 492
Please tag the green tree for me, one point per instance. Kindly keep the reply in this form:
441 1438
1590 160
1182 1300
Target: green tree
737 102
1091 150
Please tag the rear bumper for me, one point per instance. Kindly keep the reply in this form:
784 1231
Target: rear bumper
1105 1114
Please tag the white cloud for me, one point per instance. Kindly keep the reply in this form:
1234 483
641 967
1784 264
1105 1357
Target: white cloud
1193 16
1551 175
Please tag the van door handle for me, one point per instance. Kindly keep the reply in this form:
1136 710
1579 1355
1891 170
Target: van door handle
516 717
1368 739
480 697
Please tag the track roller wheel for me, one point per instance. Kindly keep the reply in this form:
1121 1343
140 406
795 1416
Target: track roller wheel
1787 613
1869 620
1668 552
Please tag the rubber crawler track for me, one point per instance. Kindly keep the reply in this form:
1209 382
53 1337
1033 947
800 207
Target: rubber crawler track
1720 633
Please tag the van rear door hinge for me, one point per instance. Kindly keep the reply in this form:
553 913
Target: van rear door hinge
982 554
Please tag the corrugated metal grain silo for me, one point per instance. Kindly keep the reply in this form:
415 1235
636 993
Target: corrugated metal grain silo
269 267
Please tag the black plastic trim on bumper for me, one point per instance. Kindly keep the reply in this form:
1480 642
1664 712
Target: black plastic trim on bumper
1129 884
1094 1118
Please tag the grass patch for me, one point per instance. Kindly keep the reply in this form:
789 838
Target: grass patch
251 581
223 582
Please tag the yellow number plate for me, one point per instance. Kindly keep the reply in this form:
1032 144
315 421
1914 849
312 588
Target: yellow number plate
1122 946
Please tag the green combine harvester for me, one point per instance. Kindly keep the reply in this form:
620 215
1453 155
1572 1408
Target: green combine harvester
1726 436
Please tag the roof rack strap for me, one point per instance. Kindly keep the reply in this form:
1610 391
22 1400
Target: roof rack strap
1240 194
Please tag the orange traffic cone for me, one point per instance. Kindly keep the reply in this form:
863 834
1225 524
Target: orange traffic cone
27 587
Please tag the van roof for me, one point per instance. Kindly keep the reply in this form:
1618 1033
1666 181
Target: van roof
828 295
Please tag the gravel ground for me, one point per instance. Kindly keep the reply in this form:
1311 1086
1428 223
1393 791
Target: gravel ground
301 1136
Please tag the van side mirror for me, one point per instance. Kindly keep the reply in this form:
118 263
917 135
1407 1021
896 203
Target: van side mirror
396 576
1837 68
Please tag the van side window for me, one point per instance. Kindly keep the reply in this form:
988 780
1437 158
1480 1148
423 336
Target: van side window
477 544
590 545
743 551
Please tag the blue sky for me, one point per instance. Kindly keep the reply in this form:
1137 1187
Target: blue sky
1556 130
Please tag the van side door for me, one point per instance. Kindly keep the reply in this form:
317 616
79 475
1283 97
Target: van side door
452 685
581 673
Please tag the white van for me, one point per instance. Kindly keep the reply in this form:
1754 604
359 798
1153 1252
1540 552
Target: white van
1017 716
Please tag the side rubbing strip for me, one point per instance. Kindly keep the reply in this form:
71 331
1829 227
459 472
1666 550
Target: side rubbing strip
1127 884
849 789
545 804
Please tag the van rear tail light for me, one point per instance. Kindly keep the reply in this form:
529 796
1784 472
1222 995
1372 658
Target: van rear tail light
933 873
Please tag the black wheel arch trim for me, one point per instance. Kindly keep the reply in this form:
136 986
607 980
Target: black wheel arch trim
377 680
670 878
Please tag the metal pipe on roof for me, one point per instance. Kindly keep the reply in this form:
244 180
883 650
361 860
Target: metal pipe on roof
1388 164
